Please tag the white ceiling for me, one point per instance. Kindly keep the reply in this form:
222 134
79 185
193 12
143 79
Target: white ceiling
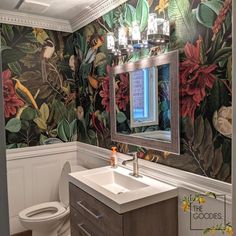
60 9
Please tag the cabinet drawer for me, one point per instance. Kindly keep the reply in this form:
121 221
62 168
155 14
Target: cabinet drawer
82 225
96 212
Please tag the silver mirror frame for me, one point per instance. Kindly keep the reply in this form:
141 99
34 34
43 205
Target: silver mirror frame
171 58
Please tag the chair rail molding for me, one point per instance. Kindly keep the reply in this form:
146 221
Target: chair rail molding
85 17
170 175
39 151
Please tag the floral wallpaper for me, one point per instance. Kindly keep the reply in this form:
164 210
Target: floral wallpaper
56 85
202 32
38 85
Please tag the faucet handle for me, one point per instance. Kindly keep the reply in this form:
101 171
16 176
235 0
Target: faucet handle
133 154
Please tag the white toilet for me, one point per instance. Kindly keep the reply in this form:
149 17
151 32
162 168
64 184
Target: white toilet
51 218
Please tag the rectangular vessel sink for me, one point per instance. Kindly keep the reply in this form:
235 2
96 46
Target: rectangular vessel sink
119 190
115 182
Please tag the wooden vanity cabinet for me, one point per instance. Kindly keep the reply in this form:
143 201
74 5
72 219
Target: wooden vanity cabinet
90 217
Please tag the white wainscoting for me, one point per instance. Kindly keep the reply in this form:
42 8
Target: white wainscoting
33 175
188 183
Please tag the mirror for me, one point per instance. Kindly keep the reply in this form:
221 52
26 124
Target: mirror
145 103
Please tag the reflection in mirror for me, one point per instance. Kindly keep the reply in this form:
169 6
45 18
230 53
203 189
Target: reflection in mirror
143 104
144 109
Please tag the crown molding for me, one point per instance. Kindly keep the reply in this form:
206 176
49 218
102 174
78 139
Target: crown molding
85 17
25 19
93 12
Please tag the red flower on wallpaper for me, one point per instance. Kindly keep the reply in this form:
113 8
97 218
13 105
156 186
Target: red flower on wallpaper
11 100
122 92
104 93
195 78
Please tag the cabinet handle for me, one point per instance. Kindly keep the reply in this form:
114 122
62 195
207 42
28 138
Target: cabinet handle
89 211
84 230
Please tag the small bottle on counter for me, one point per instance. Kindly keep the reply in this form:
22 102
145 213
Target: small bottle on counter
113 158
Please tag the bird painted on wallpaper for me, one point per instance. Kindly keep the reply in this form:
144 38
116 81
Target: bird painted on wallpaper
96 41
48 49
24 93
47 52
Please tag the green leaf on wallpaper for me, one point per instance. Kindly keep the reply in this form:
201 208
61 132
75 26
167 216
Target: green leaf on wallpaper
130 14
100 59
63 130
207 12
28 48
58 111
164 106
13 125
73 127
31 37
108 18
101 70
179 12
121 117
142 12
89 30
91 134
3 41
44 111
42 139
90 56
222 54
198 131
217 161
28 114
8 32
41 120
15 67
12 55
79 42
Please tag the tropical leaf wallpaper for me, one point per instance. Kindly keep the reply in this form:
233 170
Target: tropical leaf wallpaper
47 74
39 86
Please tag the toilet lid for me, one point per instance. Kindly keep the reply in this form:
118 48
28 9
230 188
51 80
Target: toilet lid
64 185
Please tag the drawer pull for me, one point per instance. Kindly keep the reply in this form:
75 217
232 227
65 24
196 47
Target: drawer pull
89 211
84 230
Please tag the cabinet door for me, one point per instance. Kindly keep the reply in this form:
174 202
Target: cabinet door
103 217
160 219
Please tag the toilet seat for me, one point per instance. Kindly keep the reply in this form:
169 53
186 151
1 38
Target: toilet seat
43 212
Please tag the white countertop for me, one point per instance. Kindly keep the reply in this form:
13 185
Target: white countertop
153 191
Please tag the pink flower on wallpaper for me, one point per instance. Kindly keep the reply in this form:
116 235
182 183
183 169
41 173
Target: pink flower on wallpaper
104 93
122 92
195 78
11 100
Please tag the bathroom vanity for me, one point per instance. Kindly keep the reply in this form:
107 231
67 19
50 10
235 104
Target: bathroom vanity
110 202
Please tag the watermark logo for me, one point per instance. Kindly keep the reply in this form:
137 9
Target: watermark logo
207 213
204 215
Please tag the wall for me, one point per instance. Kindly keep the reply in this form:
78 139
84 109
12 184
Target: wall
38 86
187 183
202 33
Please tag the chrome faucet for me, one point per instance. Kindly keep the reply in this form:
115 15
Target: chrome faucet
135 172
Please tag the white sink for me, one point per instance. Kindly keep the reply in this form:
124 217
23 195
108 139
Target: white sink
115 182
120 191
